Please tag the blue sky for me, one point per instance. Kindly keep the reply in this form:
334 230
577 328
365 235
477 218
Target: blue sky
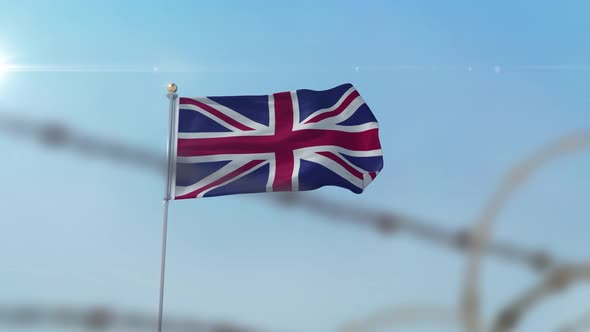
462 91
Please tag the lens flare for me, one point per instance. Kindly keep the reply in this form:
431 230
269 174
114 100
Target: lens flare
3 67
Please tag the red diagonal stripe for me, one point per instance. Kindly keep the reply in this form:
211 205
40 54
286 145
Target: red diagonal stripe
223 179
342 163
213 111
337 111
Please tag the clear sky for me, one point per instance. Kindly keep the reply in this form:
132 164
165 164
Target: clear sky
462 91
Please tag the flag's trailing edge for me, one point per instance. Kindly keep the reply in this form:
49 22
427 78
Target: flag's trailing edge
288 141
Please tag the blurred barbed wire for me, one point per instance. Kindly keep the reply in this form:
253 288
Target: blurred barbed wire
482 229
56 134
581 323
103 318
390 223
402 316
473 241
555 281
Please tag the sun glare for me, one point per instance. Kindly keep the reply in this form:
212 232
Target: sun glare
3 67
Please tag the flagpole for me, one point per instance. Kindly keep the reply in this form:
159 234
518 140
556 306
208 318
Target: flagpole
172 96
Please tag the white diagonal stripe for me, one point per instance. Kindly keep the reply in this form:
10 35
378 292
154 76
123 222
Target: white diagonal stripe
241 175
334 167
226 111
230 167
233 114
360 170
209 115
332 108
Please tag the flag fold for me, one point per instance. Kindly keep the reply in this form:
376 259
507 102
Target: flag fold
288 141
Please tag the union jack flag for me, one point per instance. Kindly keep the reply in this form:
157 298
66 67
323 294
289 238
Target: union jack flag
288 141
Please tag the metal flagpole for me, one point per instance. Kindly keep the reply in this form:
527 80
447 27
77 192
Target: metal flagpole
172 96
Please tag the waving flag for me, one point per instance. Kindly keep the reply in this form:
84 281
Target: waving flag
287 141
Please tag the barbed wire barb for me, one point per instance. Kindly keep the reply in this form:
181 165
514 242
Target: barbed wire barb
556 281
475 241
55 134
482 228
407 315
103 318
580 324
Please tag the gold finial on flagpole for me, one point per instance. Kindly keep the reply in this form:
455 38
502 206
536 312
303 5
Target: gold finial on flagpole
172 88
